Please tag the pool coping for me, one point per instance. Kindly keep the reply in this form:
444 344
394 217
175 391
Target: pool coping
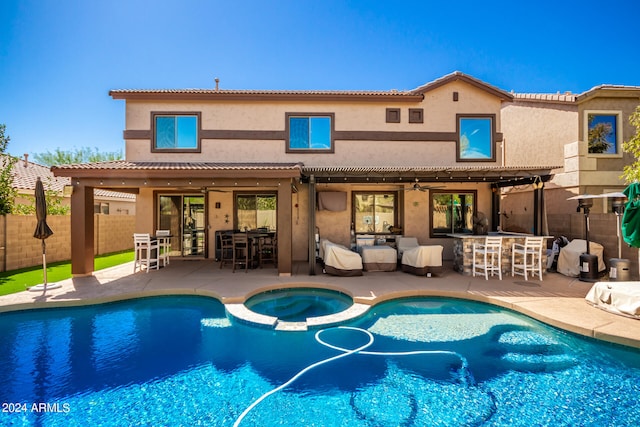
557 301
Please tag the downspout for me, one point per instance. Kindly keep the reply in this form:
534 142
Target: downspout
312 225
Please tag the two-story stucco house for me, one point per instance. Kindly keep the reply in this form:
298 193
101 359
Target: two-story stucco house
427 162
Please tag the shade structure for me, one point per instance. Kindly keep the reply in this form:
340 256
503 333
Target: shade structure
42 231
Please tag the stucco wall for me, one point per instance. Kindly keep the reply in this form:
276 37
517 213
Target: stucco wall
18 248
439 116
536 133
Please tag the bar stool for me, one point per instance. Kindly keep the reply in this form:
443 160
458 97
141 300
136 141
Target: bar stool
164 242
490 254
267 250
241 251
226 248
146 252
529 257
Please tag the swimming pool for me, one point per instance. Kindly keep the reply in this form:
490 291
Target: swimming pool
423 361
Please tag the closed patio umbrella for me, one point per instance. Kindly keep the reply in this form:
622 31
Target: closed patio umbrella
42 232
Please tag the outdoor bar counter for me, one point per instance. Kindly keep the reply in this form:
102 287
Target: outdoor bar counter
463 250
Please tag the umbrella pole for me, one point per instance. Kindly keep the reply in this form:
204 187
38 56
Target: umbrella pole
44 263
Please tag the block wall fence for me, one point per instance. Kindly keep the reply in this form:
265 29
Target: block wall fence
19 249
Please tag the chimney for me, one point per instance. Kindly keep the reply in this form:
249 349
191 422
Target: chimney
26 160
217 83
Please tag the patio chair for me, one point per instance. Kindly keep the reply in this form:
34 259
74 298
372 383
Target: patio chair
226 248
487 257
529 257
267 250
164 242
241 251
146 252
405 243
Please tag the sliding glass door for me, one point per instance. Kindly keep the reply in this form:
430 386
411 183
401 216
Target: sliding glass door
184 216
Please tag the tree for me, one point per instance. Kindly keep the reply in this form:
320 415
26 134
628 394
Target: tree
598 135
7 192
82 155
631 173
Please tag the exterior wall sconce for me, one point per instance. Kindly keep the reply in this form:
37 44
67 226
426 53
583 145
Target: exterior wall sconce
537 183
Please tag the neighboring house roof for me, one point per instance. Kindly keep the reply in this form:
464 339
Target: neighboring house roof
413 95
556 98
613 91
26 173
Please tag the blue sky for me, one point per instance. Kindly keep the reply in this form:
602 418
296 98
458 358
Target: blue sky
60 58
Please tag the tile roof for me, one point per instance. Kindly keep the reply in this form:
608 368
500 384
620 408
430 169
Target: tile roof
25 175
565 98
416 94
173 166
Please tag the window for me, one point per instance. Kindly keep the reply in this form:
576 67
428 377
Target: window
176 132
374 212
451 212
393 115
255 211
602 131
416 115
310 132
101 208
475 138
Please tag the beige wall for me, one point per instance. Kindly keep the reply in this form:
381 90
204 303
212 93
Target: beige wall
536 133
604 171
439 116
18 248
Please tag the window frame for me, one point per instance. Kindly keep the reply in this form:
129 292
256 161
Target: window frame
392 115
433 193
290 115
618 132
396 213
196 114
256 194
492 142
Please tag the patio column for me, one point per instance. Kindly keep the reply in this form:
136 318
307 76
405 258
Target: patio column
82 231
284 229
312 225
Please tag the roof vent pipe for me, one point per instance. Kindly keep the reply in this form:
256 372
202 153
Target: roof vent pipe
217 83
26 160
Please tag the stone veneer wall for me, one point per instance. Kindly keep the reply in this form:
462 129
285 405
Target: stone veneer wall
19 249
463 254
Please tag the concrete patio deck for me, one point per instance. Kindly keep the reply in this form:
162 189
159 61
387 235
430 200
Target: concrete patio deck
557 300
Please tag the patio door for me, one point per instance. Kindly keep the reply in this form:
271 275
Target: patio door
184 216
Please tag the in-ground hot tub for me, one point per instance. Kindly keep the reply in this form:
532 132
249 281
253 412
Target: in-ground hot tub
299 304
297 308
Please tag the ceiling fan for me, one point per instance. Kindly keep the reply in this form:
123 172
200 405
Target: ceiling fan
417 187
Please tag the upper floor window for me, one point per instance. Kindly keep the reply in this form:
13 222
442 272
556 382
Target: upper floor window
603 132
475 138
374 212
176 131
310 132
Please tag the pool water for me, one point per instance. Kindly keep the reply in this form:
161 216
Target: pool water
298 304
410 362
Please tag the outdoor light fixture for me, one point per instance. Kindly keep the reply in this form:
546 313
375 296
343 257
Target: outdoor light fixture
537 183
